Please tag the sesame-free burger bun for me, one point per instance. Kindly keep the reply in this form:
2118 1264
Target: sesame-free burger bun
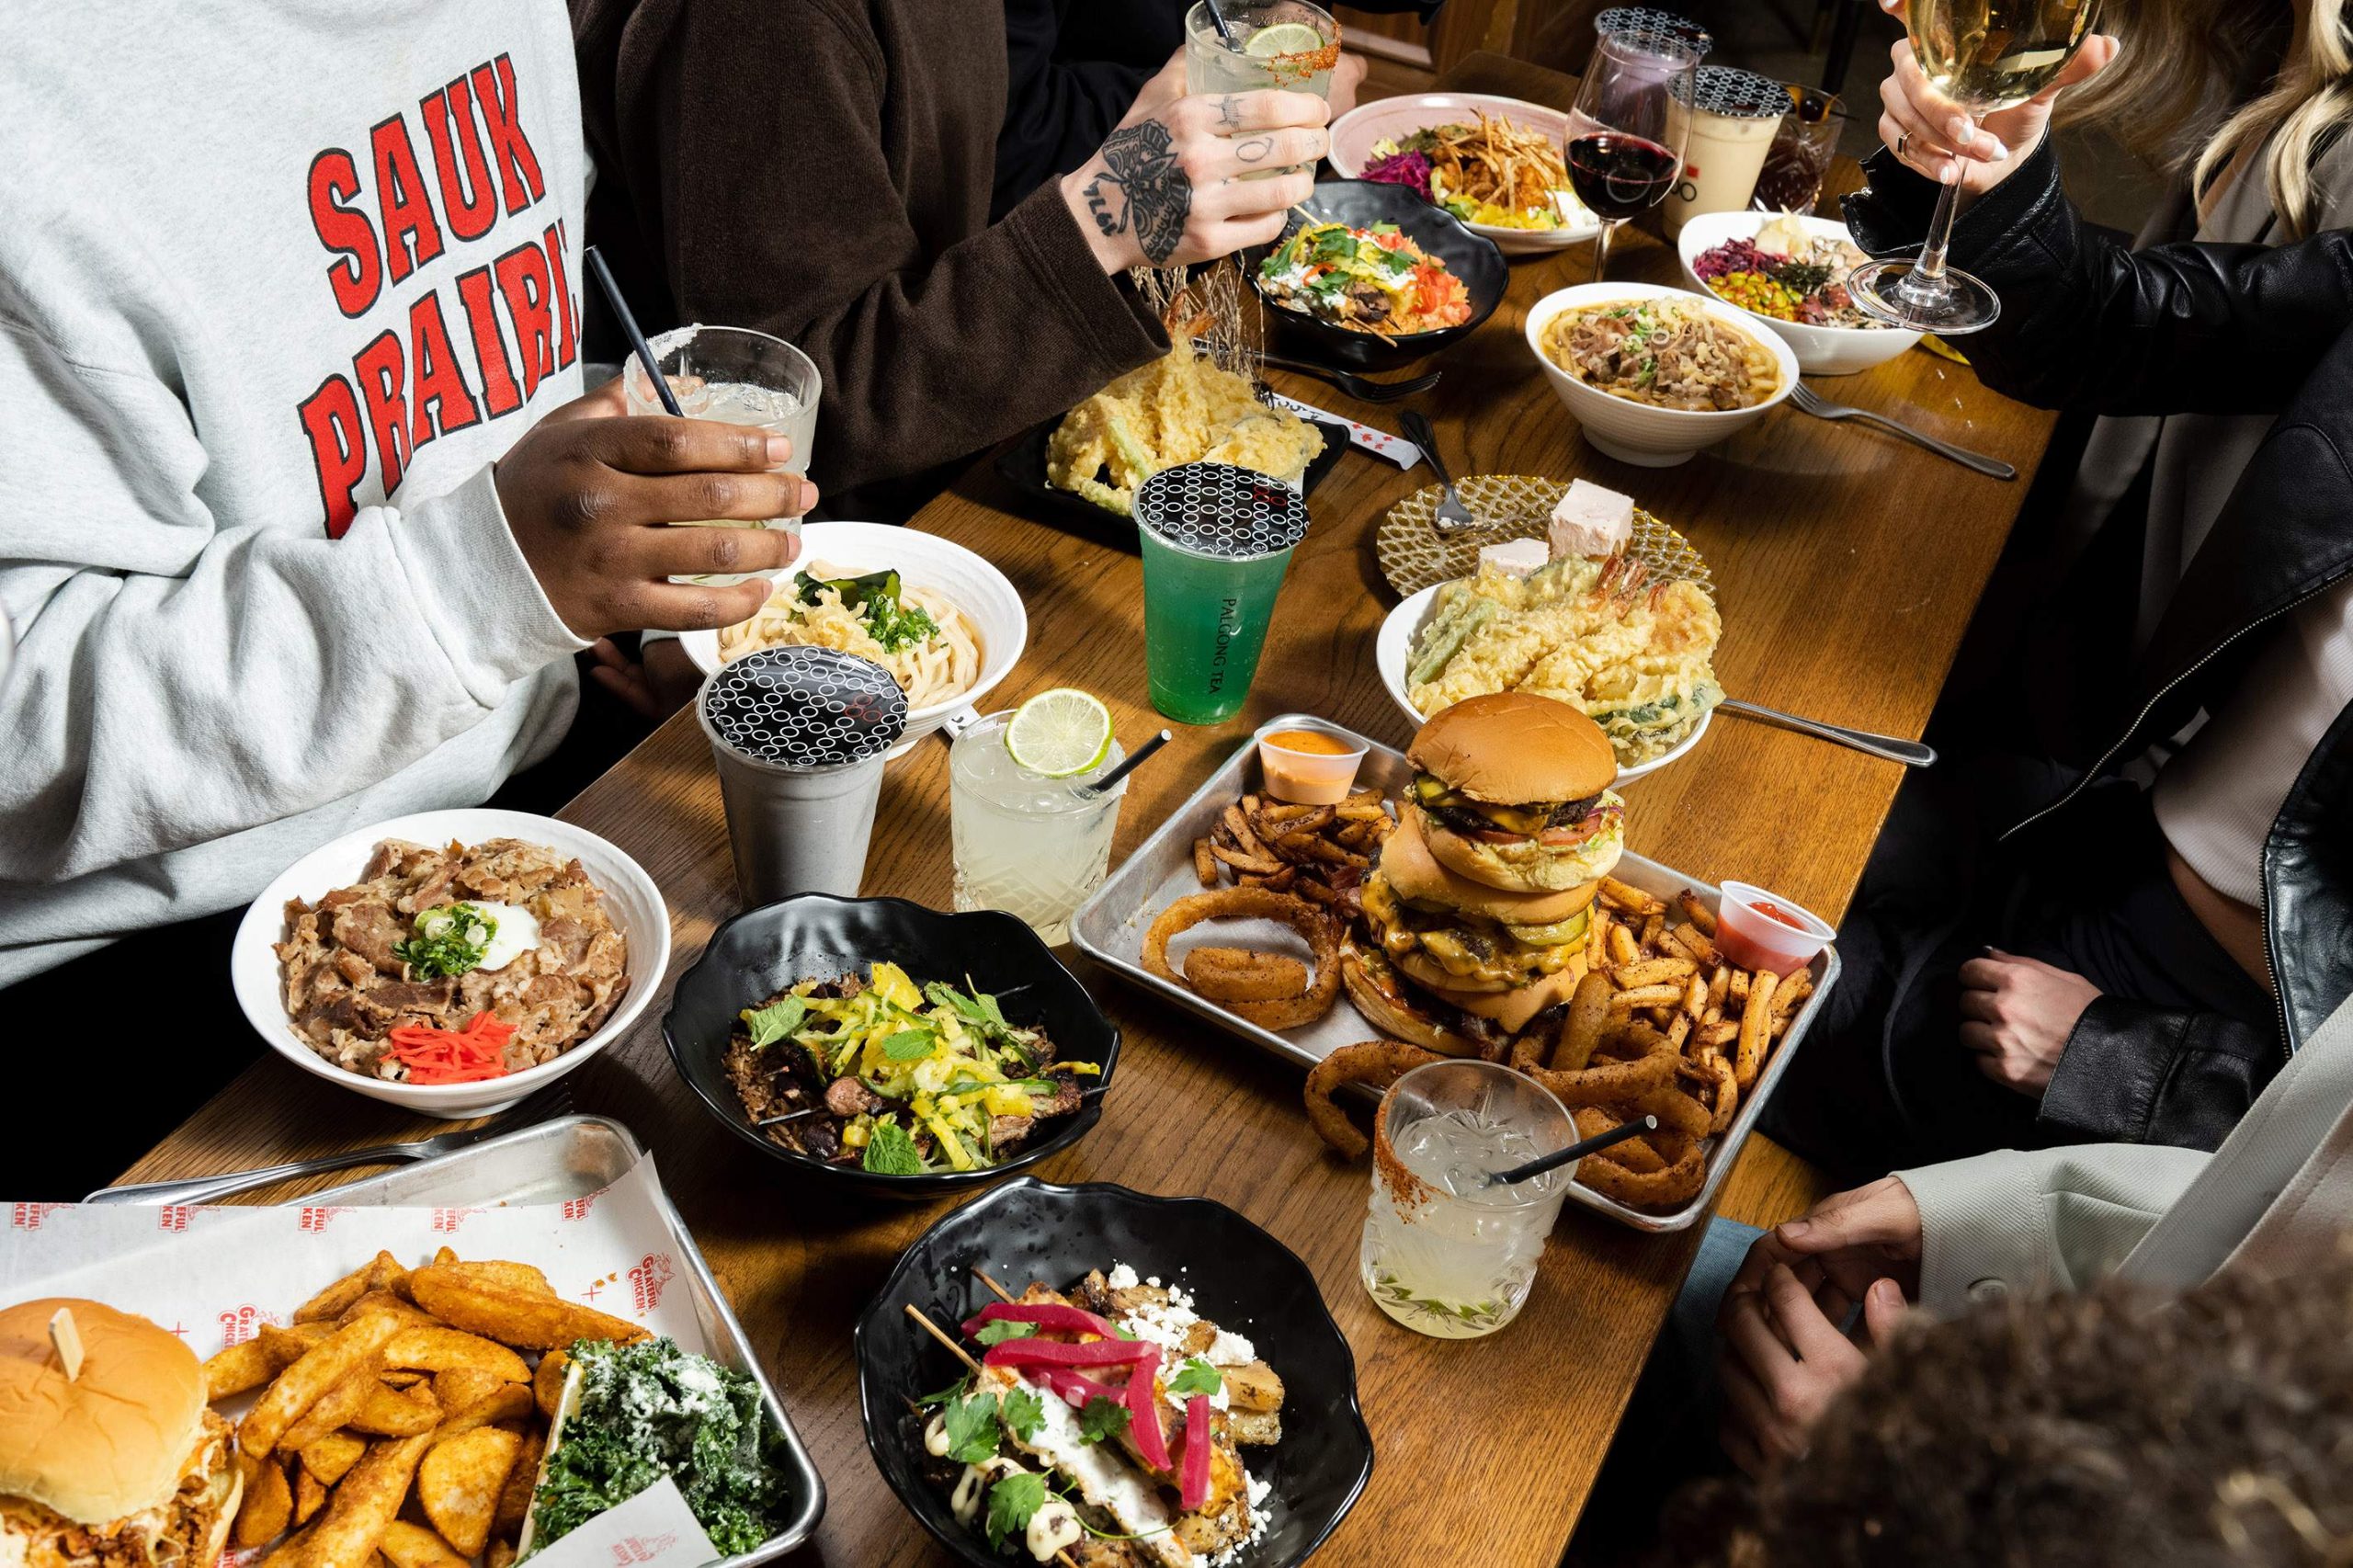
1513 748
111 1442
1413 867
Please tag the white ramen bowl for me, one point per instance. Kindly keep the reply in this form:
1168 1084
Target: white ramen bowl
630 899
1393 655
1821 350
985 595
1640 433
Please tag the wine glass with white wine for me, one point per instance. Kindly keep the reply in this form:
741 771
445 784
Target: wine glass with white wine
1986 56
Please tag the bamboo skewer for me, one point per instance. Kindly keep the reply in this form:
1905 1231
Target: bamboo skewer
1001 1293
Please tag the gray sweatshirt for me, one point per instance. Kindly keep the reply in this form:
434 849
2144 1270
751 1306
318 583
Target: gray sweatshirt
278 281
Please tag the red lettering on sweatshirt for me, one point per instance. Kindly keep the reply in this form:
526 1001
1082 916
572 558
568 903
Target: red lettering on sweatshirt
383 388
331 422
468 198
518 166
412 235
442 403
567 348
499 392
523 283
355 278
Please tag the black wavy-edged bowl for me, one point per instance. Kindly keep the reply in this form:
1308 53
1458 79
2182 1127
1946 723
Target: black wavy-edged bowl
1239 1277
819 937
1359 204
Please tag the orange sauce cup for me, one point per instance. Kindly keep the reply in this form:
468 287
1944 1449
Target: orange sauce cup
1307 762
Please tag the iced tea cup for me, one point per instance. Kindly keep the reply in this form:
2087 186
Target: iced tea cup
1443 1252
1757 929
735 376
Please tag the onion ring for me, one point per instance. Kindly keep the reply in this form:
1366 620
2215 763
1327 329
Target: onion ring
1246 903
1612 1083
1379 1063
1237 975
1677 1184
1634 1154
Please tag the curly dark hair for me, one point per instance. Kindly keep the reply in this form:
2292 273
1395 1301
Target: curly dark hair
2102 1430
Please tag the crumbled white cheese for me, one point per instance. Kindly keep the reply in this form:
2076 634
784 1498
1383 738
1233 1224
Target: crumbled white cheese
1230 1349
1260 1517
1121 1278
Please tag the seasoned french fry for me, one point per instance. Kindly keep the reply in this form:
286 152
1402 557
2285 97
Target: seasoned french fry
330 1302
1719 986
1645 996
1596 940
1736 994
1791 993
413 1546
355 1347
1622 946
1697 913
1204 863
332 1455
1633 900
514 1317
1756 1028
1678 1030
268 1502
1238 823
1718 1035
1651 972
398 1413
1262 865
1527 1050
433 1348
1651 925
1700 945
364 1506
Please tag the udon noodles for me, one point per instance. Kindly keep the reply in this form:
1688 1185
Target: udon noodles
931 668
1667 353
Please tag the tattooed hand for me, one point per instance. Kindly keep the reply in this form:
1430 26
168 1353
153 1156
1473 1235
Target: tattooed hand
1166 189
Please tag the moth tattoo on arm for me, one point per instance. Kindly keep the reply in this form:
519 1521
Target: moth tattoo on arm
1143 188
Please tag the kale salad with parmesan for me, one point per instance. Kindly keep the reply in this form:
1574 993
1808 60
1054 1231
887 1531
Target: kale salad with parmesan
648 1410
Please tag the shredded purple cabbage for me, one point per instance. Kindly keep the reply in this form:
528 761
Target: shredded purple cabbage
1407 168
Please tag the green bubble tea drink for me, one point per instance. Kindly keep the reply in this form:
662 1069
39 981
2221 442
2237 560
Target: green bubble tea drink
1444 1253
1285 45
737 376
1030 835
1216 541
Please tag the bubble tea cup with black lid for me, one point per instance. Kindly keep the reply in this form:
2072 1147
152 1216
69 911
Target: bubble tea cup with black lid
1216 541
800 736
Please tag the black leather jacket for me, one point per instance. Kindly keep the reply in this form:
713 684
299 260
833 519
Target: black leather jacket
2089 325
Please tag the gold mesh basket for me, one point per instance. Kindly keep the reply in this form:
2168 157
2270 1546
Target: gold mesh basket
1414 555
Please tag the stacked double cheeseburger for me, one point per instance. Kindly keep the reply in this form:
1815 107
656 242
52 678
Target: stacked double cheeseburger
1474 919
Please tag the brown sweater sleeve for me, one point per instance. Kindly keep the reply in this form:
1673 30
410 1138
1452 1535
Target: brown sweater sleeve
780 212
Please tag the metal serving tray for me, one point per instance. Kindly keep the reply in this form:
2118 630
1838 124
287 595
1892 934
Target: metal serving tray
573 1156
1109 929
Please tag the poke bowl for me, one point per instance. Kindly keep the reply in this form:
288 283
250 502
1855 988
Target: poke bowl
1359 135
1834 345
1386 210
1650 434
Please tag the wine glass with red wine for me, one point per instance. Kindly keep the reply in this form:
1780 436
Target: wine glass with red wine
1625 149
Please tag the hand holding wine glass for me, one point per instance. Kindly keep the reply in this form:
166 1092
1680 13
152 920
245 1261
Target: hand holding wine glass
1977 60
1626 141
1944 142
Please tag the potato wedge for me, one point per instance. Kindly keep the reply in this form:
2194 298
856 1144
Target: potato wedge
332 1456
310 1496
268 1503
358 1347
397 1413
459 1387
512 1317
514 1497
500 1555
511 1404
386 1302
331 1301
413 1546
516 1276
286 1345
459 1483
238 1368
431 1348
547 1384
364 1506
333 1410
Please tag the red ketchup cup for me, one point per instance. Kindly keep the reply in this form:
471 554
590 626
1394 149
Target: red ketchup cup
1757 929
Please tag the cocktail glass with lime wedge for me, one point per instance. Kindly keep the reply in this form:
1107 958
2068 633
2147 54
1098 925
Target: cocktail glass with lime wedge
1030 836
1282 44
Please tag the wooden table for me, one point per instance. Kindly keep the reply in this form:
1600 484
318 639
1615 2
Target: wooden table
1847 564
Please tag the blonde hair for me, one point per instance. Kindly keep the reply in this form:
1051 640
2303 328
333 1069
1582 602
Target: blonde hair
2204 83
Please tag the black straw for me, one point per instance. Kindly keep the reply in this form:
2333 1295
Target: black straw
1134 757
636 336
1554 1160
1223 30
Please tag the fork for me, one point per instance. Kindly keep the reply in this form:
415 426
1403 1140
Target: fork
1813 402
552 1102
1355 386
1453 516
